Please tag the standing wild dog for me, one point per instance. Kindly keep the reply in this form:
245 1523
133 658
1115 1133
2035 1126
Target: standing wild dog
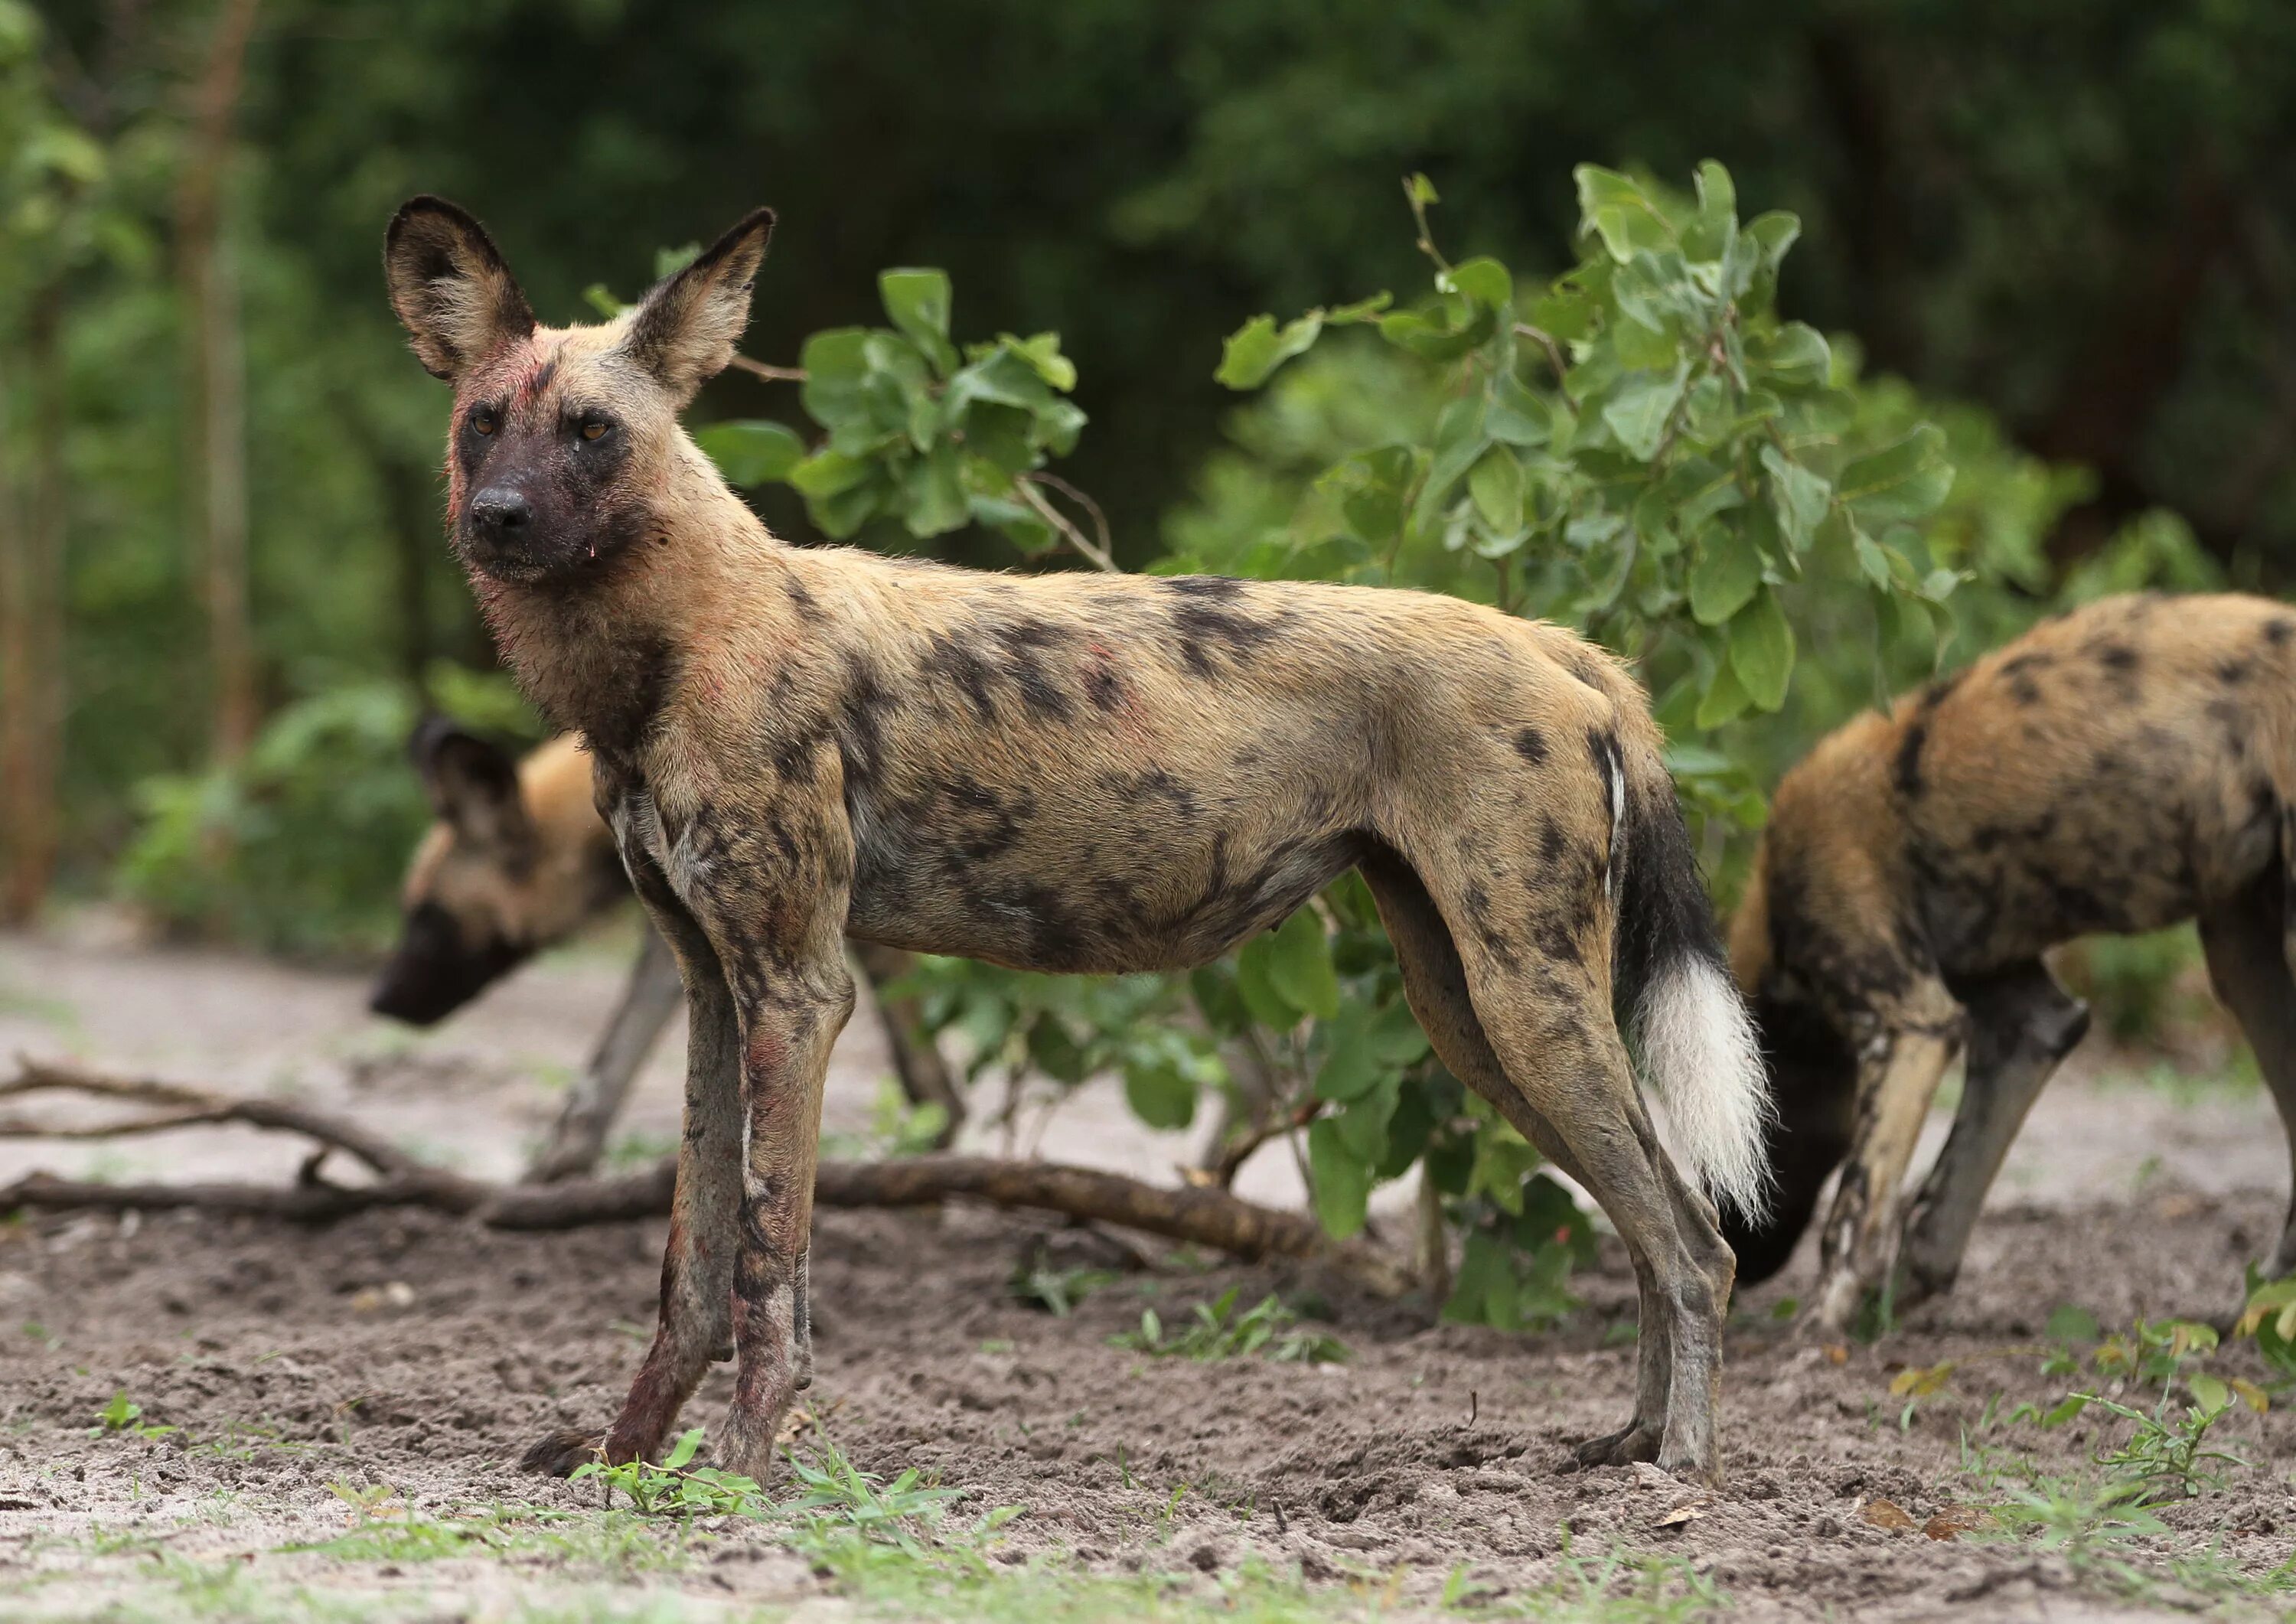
2119 769
1062 773
518 861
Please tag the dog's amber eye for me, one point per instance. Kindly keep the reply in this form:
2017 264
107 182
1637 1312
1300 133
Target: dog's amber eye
593 431
484 421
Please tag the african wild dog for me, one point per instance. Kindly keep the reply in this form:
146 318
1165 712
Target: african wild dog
2120 768
518 861
1059 772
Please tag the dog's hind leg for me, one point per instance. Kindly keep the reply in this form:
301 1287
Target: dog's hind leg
1435 983
2247 943
1901 1058
2022 1025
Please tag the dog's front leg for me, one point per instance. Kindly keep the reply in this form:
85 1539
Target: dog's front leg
697 1265
789 1023
1900 1063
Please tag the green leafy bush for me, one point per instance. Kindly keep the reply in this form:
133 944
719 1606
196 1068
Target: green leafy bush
300 847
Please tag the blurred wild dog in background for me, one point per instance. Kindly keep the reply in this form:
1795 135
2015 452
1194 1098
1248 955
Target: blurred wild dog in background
2120 768
1059 772
518 861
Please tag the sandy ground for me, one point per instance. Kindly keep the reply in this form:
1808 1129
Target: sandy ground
416 1353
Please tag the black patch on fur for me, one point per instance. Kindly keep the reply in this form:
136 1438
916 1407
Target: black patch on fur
2232 673
1207 619
1022 643
629 696
954 659
1905 772
1531 744
2278 632
1218 588
801 597
1664 914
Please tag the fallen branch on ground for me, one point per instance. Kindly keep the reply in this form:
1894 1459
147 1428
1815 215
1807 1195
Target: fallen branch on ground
1198 1216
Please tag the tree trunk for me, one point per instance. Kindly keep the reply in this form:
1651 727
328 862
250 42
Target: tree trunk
216 430
31 628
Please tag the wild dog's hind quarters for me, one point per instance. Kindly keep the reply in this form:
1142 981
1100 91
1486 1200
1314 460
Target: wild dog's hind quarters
2119 769
1061 772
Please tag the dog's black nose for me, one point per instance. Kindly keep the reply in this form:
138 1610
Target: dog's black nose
498 507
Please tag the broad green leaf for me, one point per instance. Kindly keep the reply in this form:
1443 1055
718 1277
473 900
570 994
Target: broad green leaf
1299 965
1485 281
1799 496
826 473
1362 1125
918 303
688 1443
1638 412
1395 1035
1436 337
934 488
1342 1181
1350 1068
1873 560
1723 700
1795 358
1042 352
1495 484
1715 227
1002 375
1762 649
1160 1094
1903 482
751 450
1565 314
1516 414
1484 1290
1725 577
1459 442
841 513
1616 209
1362 310
1254 350
835 363
1254 983
1056 1050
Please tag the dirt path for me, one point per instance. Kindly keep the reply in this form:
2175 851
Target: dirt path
416 1354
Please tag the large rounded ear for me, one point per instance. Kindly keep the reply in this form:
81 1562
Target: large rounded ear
473 785
450 287
684 329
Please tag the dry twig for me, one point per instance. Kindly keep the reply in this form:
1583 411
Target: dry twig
1199 1215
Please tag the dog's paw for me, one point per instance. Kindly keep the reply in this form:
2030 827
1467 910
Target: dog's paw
557 1454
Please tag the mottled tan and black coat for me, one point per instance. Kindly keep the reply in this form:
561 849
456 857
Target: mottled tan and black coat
2119 769
1058 772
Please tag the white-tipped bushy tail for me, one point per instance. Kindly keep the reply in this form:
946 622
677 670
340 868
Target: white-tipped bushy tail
1697 1051
1672 996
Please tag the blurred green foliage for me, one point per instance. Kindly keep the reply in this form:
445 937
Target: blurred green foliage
298 847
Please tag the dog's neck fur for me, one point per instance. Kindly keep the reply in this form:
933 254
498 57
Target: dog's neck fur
598 654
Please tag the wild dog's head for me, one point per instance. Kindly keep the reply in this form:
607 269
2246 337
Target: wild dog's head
565 440
501 873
